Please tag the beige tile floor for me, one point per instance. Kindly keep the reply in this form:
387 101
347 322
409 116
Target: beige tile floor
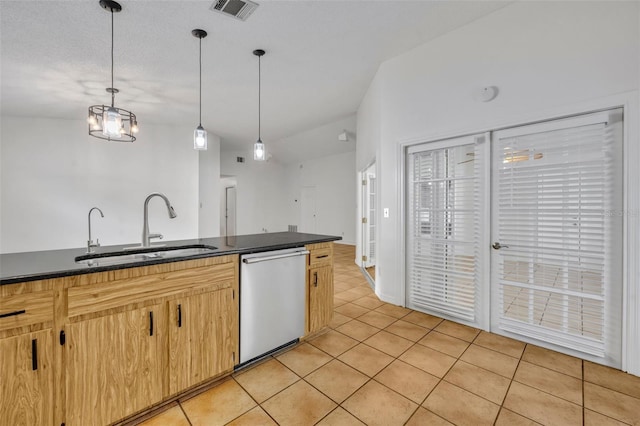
381 364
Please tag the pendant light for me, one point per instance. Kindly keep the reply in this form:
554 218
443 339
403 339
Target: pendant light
106 121
200 134
259 153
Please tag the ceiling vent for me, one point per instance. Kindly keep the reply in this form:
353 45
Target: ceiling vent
239 9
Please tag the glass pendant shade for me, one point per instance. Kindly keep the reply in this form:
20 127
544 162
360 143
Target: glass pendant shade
258 151
200 138
200 134
111 123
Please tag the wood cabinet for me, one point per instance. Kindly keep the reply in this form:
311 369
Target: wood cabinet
107 345
202 337
141 335
319 286
26 376
97 348
114 365
26 354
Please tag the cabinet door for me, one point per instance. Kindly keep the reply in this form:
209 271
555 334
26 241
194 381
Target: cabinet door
203 333
320 297
114 365
26 379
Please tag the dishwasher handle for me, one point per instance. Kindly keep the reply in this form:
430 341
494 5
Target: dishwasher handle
274 257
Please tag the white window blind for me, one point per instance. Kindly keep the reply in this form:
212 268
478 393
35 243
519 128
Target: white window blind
558 271
443 228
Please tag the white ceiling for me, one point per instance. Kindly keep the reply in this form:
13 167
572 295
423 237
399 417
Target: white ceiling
321 57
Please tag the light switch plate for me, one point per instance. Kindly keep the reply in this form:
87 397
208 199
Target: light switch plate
385 212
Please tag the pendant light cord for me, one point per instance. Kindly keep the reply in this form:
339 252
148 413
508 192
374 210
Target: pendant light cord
113 95
200 61
259 98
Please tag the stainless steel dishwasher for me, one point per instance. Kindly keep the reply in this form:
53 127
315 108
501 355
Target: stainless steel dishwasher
272 301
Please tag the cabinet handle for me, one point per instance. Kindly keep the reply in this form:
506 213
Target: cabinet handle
179 315
34 354
315 279
322 256
150 323
12 314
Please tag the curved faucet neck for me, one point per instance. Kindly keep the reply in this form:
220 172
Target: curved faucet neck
150 196
90 244
145 226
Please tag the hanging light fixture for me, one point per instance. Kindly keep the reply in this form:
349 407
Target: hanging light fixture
108 122
200 134
259 153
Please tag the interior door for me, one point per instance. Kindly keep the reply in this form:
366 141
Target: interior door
230 211
308 209
556 256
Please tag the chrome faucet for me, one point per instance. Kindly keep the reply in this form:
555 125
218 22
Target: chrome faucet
146 236
90 243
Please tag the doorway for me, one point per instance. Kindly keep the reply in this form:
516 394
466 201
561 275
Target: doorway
512 232
308 210
368 220
230 211
228 206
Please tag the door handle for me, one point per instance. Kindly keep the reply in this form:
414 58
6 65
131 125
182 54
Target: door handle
151 323
179 315
34 354
315 279
274 257
498 246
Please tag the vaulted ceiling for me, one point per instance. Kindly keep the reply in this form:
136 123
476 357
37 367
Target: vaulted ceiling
321 57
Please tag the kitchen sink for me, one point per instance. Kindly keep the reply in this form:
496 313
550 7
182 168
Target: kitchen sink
142 254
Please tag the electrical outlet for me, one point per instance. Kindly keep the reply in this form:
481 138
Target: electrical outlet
385 212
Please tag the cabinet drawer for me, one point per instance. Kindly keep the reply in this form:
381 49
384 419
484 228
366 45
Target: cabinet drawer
149 289
320 255
26 309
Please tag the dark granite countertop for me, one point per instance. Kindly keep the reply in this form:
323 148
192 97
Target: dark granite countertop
38 265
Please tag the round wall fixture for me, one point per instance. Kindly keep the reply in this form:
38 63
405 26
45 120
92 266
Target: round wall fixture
487 93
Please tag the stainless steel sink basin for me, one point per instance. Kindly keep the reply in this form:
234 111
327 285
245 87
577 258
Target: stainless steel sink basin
142 254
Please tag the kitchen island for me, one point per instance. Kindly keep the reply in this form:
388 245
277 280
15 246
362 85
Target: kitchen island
87 344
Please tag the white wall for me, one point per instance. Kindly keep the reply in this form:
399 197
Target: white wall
209 188
260 193
334 180
52 173
547 58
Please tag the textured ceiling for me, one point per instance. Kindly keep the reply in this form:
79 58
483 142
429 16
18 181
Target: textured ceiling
321 57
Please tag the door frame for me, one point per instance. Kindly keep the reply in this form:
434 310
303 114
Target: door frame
226 210
307 189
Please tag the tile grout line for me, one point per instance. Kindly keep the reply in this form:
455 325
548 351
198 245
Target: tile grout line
185 414
583 407
509 388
